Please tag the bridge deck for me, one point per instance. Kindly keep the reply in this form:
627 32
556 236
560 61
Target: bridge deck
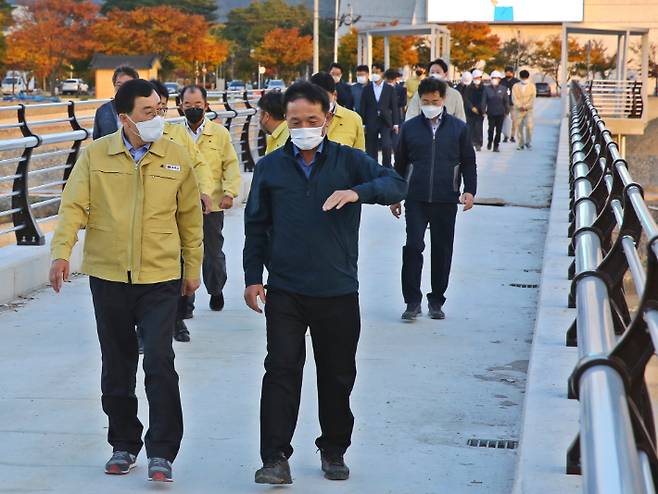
423 390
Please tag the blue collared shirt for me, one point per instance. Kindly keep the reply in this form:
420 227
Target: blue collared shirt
138 153
306 168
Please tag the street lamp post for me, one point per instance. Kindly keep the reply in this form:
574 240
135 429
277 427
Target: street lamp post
316 36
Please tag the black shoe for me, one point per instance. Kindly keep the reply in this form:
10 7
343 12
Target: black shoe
413 310
181 333
511 139
505 140
121 463
528 146
519 148
188 314
217 302
435 312
488 146
160 470
275 471
496 150
334 467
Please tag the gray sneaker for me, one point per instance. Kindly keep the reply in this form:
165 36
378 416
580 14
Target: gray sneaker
435 312
334 467
413 310
275 471
160 470
121 463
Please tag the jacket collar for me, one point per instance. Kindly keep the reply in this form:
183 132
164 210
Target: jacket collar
279 130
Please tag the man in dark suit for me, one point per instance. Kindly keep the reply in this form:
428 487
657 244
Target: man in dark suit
380 113
391 76
106 120
343 89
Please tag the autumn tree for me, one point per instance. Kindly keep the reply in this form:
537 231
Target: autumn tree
179 39
51 35
514 52
548 56
285 50
598 61
206 8
471 42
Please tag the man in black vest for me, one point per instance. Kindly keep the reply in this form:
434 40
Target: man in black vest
435 153
302 223
380 114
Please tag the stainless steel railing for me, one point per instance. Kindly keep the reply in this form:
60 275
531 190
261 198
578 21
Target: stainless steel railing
616 449
37 154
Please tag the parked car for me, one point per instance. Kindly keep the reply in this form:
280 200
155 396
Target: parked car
276 84
12 85
172 87
74 86
543 89
237 85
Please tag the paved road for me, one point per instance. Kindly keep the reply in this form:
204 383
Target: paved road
423 389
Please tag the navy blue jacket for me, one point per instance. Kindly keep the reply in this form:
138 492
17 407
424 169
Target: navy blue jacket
345 98
495 102
306 250
440 161
105 120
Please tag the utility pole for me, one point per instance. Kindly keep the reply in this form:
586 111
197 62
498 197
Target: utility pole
336 26
316 37
589 57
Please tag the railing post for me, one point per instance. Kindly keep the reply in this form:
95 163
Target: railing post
75 148
30 234
245 145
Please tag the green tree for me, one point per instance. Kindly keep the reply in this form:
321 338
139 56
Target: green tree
205 8
513 52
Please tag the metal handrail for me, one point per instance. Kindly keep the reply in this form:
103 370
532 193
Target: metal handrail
236 110
617 98
616 448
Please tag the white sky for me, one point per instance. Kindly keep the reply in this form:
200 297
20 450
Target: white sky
524 10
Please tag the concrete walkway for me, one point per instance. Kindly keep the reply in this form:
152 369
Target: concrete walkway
423 389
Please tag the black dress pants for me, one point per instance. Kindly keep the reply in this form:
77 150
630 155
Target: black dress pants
475 126
335 325
375 133
119 308
495 124
441 219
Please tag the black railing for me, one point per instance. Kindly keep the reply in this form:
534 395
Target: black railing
616 448
37 155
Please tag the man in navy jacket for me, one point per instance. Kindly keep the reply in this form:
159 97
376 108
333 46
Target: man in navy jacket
435 154
302 224
106 120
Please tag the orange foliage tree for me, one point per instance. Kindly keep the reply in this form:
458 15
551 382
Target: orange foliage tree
179 39
471 42
51 35
285 51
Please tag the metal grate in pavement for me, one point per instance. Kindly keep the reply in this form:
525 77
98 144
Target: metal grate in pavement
524 285
493 443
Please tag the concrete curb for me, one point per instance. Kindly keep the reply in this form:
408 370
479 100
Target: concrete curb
550 420
25 269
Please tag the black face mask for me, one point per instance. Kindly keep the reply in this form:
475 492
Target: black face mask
419 73
194 115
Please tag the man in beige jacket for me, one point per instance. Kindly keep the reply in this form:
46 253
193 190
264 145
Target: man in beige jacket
523 97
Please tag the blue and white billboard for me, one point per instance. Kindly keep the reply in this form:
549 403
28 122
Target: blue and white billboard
518 11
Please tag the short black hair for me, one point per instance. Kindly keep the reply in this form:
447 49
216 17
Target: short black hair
124 100
432 85
272 103
160 88
363 68
379 65
336 65
509 68
308 91
440 63
194 87
325 81
524 74
124 70
391 74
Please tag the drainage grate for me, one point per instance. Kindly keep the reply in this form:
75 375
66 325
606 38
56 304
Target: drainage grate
524 285
493 443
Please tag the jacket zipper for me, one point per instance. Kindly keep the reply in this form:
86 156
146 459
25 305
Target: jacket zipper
432 165
132 225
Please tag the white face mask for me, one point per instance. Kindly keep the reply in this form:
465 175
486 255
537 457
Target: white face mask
477 82
495 82
436 75
307 137
431 111
150 130
361 79
336 78
376 77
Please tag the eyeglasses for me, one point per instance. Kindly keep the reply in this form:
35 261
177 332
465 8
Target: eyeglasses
162 111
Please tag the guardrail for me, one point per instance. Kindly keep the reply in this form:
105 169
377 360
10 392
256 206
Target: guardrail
617 98
616 449
36 156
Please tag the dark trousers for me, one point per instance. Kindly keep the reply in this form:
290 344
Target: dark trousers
375 133
335 325
214 260
495 124
441 219
475 126
119 307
